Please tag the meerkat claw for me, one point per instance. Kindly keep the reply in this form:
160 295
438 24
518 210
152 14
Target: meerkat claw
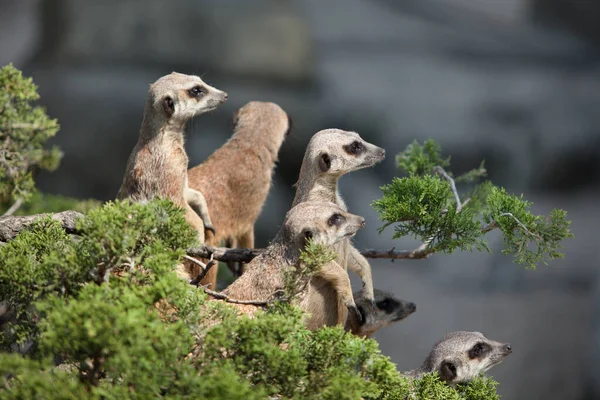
210 228
372 304
359 315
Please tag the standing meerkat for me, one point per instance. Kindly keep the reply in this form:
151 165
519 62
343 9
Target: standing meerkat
157 166
388 311
326 224
330 154
459 357
236 178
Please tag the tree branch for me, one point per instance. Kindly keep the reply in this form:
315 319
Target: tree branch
17 204
222 296
440 171
494 224
10 226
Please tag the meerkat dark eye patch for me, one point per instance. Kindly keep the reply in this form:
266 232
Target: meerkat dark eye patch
168 106
336 219
447 371
479 350
354 148
196 91
324 162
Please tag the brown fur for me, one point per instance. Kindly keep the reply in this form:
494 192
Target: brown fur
236 178
264 276
157 166
327 158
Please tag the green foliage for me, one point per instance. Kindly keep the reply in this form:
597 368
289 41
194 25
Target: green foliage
424 206
24 130
420 160
312 258
145 333
39 203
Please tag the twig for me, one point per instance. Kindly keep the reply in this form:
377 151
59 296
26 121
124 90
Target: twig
222 296
17 204
205 270
494 224
440 171
10 226
22 126
418 253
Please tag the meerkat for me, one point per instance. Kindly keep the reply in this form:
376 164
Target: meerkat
157 166
388 311
236 178
330 154
325 223
461 356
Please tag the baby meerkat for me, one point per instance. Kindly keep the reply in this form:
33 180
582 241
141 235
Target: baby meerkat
330 154
236 178
461 356
157 166
388 311
324 223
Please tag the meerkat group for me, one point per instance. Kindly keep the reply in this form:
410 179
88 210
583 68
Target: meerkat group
225 195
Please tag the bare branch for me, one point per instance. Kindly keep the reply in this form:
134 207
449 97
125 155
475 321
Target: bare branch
222 296
418 253
17 204
205 269
23 126
10 226
440 171
224 254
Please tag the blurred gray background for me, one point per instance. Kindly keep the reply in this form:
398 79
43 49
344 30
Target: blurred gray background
514 82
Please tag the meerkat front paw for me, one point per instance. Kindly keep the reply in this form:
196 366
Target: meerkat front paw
209 227
359 316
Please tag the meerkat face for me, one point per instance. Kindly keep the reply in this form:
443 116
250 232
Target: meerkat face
337 152
323 222
461 356
388 311
179 97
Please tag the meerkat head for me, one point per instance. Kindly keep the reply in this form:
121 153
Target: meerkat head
461 356
323 222
263 121
388 311
337 152
179 97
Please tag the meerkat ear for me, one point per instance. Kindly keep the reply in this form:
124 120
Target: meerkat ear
324 162
168 106
447 371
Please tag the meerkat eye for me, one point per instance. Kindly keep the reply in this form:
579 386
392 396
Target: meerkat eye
355 147
477 350
384 304
336 219
196 91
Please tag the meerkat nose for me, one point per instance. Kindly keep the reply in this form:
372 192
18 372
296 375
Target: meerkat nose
507 348
362 222
412 307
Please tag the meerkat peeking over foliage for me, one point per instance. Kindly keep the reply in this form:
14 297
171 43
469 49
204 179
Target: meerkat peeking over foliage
461 356
388 310
267 275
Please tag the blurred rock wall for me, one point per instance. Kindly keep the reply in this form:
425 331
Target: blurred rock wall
479 77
